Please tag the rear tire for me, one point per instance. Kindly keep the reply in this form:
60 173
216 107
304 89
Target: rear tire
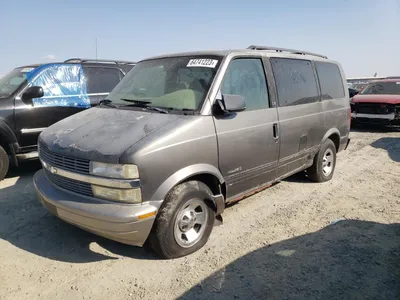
4 163
324 163
184 222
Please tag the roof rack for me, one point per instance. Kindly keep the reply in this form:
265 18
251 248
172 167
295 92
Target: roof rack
82 60
293 51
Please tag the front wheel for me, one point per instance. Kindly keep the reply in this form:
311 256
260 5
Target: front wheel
4 163
324 163
184 222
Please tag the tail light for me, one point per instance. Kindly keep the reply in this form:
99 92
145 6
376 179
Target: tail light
350 116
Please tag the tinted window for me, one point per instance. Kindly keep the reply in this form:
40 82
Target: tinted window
330 80
101 80
295 81
245 77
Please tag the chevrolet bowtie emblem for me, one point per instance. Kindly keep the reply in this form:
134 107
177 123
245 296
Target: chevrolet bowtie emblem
53 170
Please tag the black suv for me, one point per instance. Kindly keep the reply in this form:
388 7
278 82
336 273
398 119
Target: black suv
36 96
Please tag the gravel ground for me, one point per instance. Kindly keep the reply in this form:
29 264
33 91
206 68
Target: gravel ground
295 240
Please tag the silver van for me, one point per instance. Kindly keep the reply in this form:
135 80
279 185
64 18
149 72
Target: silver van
183 135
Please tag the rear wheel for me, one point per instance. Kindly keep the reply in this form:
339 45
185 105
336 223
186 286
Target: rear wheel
4 163
184 222
324 163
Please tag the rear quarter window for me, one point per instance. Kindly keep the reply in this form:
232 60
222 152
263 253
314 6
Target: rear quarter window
295 81
330 80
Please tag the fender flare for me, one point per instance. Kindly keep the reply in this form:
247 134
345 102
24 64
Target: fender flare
330 132
7 137
7 134
185 173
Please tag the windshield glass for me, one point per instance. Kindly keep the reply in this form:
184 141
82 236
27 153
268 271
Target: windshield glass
10 82
382 88
180 83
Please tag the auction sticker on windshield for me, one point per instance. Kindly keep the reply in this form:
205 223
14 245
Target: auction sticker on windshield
202 62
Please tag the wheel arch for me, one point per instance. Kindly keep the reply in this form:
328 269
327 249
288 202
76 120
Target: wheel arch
8 141
334 135
7 136
208 174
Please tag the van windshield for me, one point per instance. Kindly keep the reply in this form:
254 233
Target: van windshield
179 83
11 81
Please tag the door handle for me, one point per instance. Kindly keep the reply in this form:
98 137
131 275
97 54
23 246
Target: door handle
276 131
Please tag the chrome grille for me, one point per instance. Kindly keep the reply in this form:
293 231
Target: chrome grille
374 108
75 186
76 165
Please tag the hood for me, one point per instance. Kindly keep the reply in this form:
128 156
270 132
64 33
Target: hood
102 134
389 99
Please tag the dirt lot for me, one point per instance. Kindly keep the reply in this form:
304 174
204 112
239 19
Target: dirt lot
278 244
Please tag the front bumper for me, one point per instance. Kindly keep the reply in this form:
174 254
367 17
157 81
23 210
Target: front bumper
376 118
116 221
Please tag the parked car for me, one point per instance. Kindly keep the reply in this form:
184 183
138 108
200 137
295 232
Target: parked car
378 103
353 92
358 86
183 135
56 91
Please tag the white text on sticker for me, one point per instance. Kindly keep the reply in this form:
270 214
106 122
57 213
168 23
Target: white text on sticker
202 62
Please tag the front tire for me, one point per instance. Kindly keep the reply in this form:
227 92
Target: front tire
4 163
324 163
184 222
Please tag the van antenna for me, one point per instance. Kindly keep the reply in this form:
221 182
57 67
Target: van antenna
96 50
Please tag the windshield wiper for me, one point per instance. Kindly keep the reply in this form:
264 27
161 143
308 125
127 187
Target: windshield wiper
145 104
107 102
136 101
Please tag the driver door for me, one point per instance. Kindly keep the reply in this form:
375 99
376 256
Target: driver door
247 145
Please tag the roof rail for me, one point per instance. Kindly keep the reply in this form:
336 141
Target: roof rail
82 60
293 51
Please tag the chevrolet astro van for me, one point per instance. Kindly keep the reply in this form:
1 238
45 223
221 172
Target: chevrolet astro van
183 135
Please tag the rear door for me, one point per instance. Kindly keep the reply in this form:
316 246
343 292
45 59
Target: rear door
100 80
301 122
248 150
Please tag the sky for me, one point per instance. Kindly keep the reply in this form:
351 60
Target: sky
363 35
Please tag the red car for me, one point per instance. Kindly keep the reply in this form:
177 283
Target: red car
377 103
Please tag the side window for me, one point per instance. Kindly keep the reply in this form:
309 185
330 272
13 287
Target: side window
246 77
101 80
330 80
295 81
62 85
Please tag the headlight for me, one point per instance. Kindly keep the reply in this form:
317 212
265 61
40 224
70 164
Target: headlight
114 170
120 195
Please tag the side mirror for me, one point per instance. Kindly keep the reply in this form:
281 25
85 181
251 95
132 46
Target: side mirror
31 93
231 103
